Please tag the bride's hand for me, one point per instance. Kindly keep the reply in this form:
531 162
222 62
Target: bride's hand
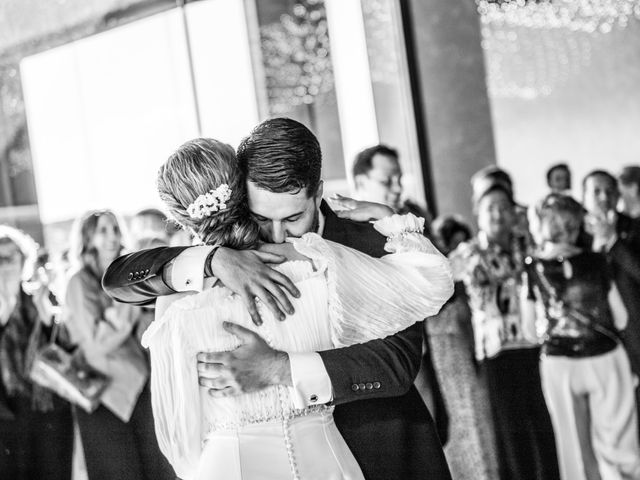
358 210
286 250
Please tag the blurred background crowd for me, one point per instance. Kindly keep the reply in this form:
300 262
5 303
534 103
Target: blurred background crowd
511 126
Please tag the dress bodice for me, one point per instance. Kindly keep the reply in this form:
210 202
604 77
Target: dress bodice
200 329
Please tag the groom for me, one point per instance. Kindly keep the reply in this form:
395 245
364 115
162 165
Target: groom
378 410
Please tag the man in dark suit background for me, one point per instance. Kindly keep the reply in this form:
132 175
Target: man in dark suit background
378 410
618 236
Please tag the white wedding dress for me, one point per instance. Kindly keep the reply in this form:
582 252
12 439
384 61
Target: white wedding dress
346 298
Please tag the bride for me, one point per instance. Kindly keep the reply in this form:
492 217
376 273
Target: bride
346 297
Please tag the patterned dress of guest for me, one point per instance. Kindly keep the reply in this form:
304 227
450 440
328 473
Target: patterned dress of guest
508 350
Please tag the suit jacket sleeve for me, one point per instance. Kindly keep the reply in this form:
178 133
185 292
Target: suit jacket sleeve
625 255
136 278
386 367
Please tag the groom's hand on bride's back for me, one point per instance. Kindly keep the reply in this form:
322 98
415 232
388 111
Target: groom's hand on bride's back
252 366
248 274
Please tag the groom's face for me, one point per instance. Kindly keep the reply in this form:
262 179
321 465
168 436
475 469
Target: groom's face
282 215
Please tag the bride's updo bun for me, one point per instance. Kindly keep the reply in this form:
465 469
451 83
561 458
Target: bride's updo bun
196 168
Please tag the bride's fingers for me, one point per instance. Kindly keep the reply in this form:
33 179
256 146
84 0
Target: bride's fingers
344 202
268 257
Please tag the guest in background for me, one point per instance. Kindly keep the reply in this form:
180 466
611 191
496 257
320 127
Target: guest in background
449 231
586 375
149 227
471 449
36 426
629 185
618 236
491 268
558 181
559 178
377 177
119 437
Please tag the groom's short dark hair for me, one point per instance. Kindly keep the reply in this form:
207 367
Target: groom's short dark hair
282 156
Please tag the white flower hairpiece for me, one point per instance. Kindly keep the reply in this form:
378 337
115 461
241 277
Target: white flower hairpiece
209 203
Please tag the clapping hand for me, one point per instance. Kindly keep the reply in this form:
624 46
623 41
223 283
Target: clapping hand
602 226
359 210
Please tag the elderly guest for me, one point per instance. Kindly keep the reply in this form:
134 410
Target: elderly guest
491 269
36 427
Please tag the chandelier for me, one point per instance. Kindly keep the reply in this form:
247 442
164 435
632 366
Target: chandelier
587 16
532 47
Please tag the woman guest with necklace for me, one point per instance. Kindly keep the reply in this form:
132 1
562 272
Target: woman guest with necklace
491 268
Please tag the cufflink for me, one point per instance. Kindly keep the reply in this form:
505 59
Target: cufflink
188 281
313 398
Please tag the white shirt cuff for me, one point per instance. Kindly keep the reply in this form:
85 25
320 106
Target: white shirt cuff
311 383
186 274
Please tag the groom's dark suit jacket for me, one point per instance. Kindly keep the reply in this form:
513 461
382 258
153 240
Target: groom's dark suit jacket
389 429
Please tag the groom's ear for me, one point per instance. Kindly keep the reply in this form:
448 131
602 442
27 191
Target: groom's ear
320 191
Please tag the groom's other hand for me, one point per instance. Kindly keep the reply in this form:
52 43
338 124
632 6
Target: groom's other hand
252 366
245 273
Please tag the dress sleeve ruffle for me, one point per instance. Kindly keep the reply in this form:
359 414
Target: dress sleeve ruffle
372 298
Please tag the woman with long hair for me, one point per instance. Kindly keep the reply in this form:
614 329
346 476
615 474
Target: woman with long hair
118 438
346 298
